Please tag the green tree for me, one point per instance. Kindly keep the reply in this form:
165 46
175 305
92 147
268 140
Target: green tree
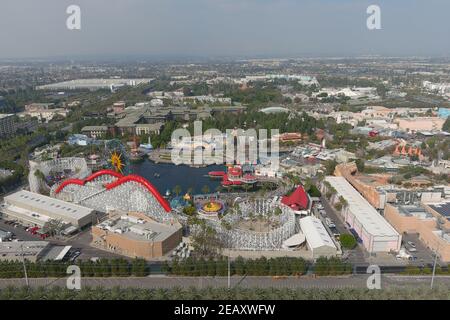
177 190
205 240
360 164
205 189
330 166
348 241
189 210
446 126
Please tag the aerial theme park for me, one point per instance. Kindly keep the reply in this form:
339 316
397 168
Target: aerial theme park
224 150
125 213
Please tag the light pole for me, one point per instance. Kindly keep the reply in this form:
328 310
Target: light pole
229 273
434 268
24 266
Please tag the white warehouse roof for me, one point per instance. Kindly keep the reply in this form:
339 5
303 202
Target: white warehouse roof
53 206
315 233
370 219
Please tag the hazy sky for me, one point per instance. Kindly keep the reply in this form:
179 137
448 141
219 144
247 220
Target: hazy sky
37 28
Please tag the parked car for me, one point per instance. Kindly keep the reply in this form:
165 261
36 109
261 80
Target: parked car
355 234
412 244
403 254
44 236
330 223
75 255
335 233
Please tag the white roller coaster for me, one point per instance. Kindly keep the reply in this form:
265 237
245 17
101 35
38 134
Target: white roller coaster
238 238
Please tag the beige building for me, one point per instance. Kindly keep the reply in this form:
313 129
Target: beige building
149 128
429 224
95 131
367 185
136 235
420 123
377 112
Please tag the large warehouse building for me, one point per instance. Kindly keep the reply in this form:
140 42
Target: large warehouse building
375 232
36 210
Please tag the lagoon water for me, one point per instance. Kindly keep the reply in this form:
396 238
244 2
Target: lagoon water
171 175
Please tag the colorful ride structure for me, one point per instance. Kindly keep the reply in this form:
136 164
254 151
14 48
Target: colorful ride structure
235 176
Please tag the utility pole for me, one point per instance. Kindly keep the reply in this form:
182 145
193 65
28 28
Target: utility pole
229 273
24 266
434 269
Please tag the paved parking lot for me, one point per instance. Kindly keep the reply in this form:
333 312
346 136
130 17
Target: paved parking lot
19 231
423 255
82 242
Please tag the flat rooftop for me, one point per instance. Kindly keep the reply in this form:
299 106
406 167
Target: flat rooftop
29 215
371 220
414 211
315 233
443 208
48 204
148 231
12 250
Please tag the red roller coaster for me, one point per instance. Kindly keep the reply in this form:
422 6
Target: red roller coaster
121 179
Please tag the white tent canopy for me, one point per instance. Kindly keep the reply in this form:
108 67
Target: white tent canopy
296 240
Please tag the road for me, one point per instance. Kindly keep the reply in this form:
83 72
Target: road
359 281
355 256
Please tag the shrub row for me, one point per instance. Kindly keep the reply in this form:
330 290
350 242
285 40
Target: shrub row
284 266
53 269
426 270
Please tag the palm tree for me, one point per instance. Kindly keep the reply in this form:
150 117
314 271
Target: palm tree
268 216
205 189
177 190
251 216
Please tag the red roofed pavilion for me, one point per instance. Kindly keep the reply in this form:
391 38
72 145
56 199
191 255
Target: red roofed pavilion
297 200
